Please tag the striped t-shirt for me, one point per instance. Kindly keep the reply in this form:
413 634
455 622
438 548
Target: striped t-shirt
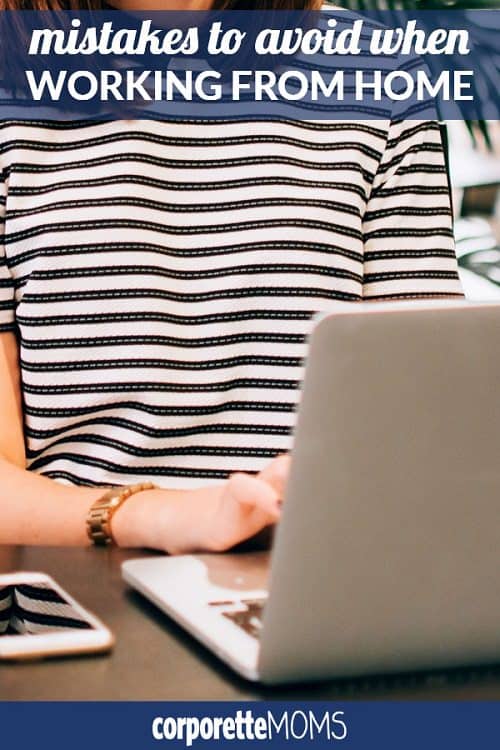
161 278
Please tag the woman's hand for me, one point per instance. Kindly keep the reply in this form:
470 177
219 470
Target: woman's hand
243 506
210 519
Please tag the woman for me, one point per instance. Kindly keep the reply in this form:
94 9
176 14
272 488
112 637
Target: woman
157 283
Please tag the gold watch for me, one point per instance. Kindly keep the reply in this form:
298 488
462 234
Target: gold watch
102 511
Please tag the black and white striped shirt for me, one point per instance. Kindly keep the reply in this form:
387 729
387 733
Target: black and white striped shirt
162 277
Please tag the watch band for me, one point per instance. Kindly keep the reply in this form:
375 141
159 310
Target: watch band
102 511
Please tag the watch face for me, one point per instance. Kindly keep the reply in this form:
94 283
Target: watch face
101 513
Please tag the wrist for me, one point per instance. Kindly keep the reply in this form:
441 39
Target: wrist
101 512
175 521
135 523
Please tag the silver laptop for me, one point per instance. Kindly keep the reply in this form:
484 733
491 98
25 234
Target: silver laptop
388 553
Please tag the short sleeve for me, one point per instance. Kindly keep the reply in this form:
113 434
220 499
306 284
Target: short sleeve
7 316
409 249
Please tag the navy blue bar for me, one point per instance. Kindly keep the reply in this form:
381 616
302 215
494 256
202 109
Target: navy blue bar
354 725
114 65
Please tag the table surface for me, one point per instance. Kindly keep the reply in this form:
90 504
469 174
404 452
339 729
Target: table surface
155 660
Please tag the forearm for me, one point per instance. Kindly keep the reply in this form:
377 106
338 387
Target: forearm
37 510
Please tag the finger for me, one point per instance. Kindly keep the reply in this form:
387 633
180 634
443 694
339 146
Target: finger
254 493
276 473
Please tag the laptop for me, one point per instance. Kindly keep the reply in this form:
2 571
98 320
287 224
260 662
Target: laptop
387 555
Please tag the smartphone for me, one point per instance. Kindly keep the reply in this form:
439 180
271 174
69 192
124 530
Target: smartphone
39 619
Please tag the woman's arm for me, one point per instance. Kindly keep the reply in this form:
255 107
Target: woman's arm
38 510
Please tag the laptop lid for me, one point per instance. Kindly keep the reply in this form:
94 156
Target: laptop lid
387 555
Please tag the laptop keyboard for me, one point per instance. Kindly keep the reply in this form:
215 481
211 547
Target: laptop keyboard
245 613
